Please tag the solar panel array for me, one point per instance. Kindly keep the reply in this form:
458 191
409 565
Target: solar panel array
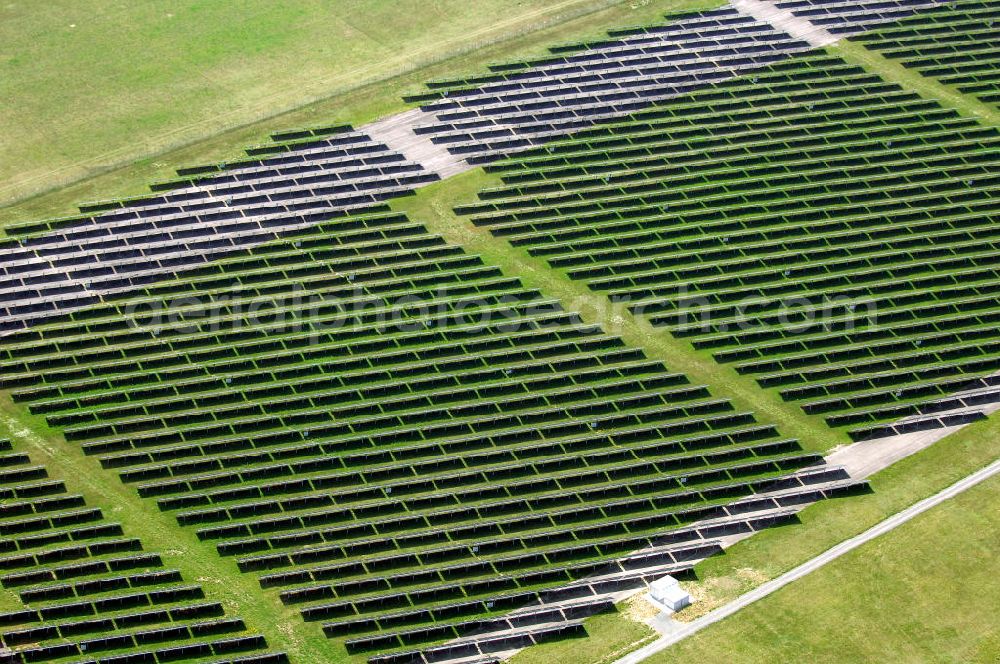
407 441
306 176
816 227
957 43
89 590
61 265
433 461
527 103
850 17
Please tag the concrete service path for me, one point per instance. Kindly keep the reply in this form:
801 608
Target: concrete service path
786 21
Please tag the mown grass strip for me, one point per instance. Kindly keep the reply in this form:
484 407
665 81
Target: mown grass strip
434 205
929 88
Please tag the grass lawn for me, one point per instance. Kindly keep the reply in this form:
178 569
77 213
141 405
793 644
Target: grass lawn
130 92
609 636
926 592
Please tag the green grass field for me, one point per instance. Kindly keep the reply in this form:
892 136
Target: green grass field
921 593
97 85
197 81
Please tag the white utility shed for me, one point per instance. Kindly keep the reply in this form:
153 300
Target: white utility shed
668 593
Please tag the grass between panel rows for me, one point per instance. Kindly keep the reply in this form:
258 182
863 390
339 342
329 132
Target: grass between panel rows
433 206
928 88
609 636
